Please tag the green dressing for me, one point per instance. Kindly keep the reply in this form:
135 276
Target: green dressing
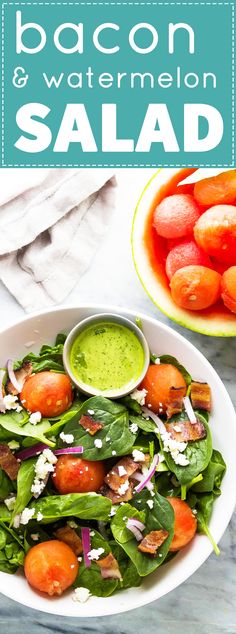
107 356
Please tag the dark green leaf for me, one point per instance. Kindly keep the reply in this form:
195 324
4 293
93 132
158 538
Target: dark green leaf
87 506
11 550
6 485
161 516
115 427
198 453
212 476
12 422
143 423
25 478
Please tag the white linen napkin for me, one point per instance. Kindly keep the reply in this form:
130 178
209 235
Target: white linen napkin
50 230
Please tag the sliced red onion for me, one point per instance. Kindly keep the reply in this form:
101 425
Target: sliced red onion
2 404
86 543
189 410
70 450
137 523
156 419
12 376
35 450
133 529
30 452
147 477
139 476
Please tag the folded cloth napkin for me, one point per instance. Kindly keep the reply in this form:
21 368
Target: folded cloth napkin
50 230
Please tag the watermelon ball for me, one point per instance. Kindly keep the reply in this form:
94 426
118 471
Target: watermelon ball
195 287
176 216
228 288
216 190
183 254
215 233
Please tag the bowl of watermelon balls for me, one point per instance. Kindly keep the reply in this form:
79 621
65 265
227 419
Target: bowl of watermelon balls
184 247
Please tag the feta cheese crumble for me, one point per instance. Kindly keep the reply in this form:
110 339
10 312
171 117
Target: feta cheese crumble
112 511
67 438
113 452
95 553
26 515
175 449
91 412
98 443
35 418
177 428
43 467
138 456
108 438
122 471
10 502
133 428
11 402
150 503
81 594
139 396
123 488
34 537
39 517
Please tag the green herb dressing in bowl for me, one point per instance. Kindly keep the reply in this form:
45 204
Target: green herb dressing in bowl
106 355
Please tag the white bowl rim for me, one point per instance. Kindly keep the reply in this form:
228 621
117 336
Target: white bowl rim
206 546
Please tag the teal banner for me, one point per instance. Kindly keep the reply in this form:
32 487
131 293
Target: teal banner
121 84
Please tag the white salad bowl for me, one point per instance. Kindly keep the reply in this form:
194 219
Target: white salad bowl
30 333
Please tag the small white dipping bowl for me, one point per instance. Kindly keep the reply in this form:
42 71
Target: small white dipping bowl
96 319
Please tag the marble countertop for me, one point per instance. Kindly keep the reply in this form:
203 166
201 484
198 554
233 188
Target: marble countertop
205 604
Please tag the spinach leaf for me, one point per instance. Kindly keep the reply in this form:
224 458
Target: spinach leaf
25 478
6 485
161 516
145 424
130 576
11 550
115 421
131 404
204 506
91 577
212 475
49 357
88 506
12 422
5 514
198 453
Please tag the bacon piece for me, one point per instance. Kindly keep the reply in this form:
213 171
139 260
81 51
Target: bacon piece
175 402
8 462
109 567
201 396
187 431
69 536
151 542
116 498
113 477
90 425
21 376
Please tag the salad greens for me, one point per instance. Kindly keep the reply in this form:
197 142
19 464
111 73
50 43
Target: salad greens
115 432
126 433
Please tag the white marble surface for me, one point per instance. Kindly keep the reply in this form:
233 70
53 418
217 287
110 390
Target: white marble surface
205 604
